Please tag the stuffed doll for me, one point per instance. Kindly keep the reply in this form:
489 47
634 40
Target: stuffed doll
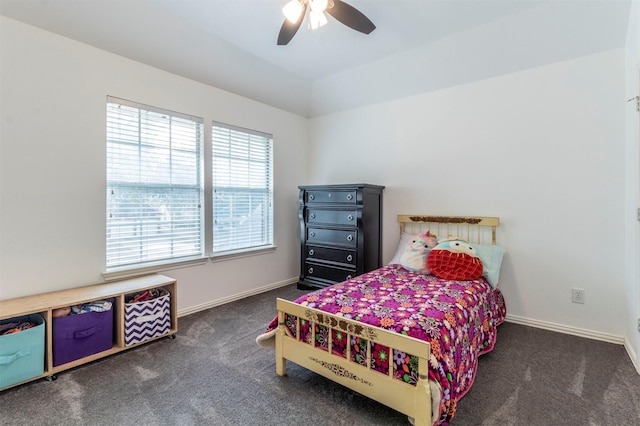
414 257
454 259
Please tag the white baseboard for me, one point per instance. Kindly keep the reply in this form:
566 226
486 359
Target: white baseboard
580 332
193 309
632 354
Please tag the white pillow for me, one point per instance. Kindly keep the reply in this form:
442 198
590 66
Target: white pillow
405 239
491 257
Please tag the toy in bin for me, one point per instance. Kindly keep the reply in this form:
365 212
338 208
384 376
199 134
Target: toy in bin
146 315
145 295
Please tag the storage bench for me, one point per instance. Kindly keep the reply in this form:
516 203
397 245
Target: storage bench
59 346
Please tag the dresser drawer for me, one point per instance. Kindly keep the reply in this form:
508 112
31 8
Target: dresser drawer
333 217
331 254
347 238
313 270
329 196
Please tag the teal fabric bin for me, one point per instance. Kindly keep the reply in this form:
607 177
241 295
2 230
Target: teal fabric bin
22 353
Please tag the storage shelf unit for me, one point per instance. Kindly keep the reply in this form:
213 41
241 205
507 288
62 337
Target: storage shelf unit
45 303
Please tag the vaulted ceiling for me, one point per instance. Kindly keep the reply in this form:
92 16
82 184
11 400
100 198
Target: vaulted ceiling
418 45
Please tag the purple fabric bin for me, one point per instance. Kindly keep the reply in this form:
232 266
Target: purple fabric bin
81 335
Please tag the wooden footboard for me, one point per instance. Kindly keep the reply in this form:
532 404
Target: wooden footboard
412 400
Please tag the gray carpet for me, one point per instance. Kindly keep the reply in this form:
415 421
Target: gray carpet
213 373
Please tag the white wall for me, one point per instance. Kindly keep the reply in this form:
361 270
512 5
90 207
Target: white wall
52 165
543 149
632 193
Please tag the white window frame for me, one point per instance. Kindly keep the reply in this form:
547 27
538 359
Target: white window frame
242 170
207 209
190 222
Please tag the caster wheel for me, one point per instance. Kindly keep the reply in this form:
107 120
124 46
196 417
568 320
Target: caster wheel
51 378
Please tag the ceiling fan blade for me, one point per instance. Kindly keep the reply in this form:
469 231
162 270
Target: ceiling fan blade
351 17
288 29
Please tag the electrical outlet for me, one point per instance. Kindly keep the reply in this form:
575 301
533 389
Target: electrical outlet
577 295
638 324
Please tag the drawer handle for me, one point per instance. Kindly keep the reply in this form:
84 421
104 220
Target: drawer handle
312 215
310 271
349 197
311 196
149 318
312 234
350 217
349 277
8 359
82 334
349 258
349 237
311 252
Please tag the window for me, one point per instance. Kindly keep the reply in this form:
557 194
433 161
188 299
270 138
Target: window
154 185
242 189
156 189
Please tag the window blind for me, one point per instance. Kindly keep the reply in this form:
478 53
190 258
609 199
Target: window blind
242 189
154 184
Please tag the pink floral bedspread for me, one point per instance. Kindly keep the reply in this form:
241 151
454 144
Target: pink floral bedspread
458 318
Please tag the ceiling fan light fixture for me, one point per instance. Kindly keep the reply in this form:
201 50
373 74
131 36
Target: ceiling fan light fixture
293 10
318 6
316 20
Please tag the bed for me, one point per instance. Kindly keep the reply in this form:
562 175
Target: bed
405 338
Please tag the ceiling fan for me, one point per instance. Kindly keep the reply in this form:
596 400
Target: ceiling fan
295 11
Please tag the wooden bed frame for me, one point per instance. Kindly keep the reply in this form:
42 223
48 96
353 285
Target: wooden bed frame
414 401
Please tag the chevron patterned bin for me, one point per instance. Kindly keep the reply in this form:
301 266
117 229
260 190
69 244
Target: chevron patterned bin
148 319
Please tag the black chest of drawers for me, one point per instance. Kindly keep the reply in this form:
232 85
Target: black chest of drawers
340 232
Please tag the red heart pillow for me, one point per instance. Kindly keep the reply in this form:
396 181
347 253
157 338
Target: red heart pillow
454 260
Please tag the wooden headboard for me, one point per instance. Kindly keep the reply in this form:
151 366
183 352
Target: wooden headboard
474 229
